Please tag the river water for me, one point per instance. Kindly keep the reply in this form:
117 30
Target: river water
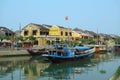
101 66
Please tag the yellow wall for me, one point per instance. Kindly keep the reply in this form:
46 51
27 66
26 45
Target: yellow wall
30 29
76 35
54 31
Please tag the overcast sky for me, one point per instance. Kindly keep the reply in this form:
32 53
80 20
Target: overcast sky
103 15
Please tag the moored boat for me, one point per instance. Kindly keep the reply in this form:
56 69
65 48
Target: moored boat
117 48
37 51
64 54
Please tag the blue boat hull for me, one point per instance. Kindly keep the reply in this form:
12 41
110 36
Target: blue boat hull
58 59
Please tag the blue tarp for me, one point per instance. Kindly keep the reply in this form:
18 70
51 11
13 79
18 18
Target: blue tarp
81 47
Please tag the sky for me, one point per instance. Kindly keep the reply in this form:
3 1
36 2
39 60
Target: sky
93 15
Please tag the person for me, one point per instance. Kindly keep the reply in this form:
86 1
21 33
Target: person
30 47
80 44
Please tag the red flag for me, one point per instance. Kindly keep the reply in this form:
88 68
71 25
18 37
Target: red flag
66 18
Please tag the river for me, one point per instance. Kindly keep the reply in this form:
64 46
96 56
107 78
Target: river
101 66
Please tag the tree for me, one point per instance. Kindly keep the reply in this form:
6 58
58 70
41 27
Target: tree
63 41
1 38
32 38
117 40
88 41
19 38
5 37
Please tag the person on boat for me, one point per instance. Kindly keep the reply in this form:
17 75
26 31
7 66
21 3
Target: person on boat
80 44
30 47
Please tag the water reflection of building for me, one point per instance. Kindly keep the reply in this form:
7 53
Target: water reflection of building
67 70
34 69
9 64
103 56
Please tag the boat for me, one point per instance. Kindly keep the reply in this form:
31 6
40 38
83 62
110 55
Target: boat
63 54
117 48
37 51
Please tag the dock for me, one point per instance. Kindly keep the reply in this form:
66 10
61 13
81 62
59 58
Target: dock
99 48
13 52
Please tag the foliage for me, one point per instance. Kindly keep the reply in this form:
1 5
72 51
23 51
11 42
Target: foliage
75 42
32 38
5 37
117 73
102 71
88 41
117 40
1 37
19 38
63 41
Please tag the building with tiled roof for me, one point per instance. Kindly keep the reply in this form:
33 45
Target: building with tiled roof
5 31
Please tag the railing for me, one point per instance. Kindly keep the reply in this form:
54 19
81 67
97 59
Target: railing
47 36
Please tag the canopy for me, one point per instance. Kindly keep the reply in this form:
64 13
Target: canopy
82 47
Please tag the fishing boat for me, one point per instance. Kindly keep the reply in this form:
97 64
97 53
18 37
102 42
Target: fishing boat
63 54
37 51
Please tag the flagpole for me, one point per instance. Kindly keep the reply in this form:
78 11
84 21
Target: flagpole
66 18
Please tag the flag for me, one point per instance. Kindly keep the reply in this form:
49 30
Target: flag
66 18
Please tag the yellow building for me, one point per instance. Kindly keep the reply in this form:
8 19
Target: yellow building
35 30
76 36
60 33
46 33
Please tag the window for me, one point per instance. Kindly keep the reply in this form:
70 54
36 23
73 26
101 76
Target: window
66 33
44 33
61 33
34 32
41 33
8 34
25 33
47 33
70 34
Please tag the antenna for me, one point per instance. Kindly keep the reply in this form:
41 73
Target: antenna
20 27
97 37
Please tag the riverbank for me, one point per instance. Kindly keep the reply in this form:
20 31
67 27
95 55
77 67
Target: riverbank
13 52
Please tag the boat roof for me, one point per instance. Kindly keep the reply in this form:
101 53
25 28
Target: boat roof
81 47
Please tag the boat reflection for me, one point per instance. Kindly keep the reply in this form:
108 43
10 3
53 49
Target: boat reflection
37 67
68 70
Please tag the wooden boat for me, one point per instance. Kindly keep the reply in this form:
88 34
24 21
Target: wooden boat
117 48
66 54
37 51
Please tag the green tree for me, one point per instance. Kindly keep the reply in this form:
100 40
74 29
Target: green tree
19 38
6 37
117 40
1 37
32 38
63 41
88 41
